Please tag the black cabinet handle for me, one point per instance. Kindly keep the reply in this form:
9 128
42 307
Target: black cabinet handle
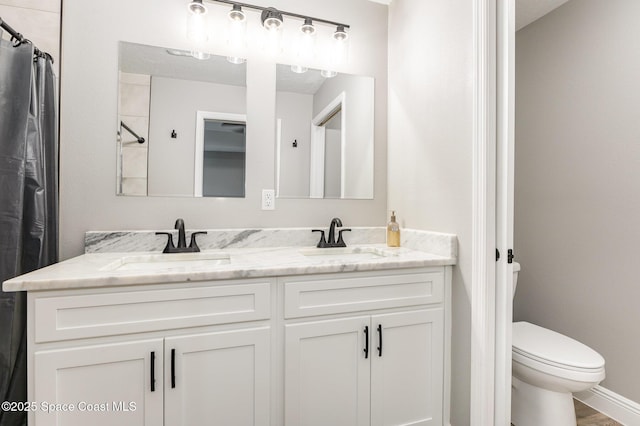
366 341
173 368
380 339
153 371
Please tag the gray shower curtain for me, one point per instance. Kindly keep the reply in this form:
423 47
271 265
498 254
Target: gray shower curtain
28 200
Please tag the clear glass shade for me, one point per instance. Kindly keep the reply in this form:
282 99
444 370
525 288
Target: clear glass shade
197 28
197 7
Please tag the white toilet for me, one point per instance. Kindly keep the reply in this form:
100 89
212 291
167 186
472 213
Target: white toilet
547 368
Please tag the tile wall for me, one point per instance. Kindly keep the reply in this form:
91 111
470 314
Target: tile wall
133 110
36 20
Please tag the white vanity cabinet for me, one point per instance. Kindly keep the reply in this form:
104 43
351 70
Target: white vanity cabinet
366 349
218 378
104 384
189 354
341 349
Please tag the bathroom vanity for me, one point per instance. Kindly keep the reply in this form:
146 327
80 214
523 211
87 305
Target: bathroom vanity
241 336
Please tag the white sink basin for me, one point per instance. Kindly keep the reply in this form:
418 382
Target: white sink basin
346 253
168 262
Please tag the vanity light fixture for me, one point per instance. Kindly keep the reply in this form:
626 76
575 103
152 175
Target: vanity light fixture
200 55
340 34
305 46
236 34
272 20
328 73
236 14
307 28
196 24
340 50
197 8
299 69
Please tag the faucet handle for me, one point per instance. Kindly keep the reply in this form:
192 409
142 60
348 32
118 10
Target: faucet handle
193 245
170 246
322 243
340 242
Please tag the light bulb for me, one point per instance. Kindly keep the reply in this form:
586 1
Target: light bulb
305 43
202 56
236 34
328 73
235 60
339 53
299 69
340 34
272 19
196 7
236 13
307 28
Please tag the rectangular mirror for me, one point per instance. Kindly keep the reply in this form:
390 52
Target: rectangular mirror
181 123
325 131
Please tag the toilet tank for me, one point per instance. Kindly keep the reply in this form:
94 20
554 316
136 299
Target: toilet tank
516 269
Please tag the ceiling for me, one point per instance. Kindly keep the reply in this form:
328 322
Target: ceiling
172 63
159 62
528 11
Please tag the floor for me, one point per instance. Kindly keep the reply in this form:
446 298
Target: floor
587 416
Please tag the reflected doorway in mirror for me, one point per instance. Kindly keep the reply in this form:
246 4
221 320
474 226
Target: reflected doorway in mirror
220 155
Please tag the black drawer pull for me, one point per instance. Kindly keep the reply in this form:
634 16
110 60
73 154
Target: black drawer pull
366 341
153 371
173 368
380 340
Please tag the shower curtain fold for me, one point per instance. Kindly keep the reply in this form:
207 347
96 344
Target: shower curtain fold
28 200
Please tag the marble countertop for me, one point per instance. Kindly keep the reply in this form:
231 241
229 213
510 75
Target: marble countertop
93 270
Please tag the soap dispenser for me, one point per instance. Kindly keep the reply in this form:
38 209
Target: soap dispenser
393 232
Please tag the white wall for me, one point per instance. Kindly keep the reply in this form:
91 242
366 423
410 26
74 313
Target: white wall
577 182
90 36
430 146
174 106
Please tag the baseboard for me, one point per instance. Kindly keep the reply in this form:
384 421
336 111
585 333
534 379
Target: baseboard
613 405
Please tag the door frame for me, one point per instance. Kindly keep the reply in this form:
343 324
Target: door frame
318 140
492 223
198 156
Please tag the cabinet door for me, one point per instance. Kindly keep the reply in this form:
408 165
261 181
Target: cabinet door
407 368
106 385
218 378
327 373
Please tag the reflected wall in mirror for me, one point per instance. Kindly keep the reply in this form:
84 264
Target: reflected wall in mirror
192 116
324 135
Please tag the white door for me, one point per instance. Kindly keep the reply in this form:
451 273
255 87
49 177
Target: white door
103 385
218 379
407 368
327 373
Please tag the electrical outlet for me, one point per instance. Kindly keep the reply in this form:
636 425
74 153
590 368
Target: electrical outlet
268 199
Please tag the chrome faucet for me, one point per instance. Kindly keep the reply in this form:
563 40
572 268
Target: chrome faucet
182 240
331 240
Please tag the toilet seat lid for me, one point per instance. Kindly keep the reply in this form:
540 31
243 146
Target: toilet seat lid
549 347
